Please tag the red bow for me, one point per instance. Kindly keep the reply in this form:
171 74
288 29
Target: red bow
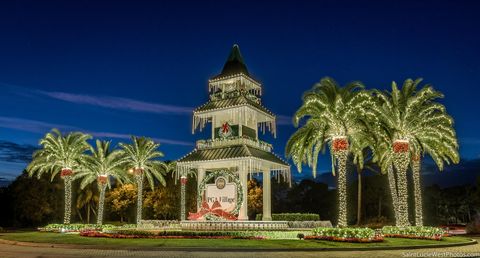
215 210
225 128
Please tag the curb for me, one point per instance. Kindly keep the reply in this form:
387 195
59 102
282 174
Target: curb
207 249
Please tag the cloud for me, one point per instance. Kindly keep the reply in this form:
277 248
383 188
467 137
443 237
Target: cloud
16 153
119 103
30 125
43 127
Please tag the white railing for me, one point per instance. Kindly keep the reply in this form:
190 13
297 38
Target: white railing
204 144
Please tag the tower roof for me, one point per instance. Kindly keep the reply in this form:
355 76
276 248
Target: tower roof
234 64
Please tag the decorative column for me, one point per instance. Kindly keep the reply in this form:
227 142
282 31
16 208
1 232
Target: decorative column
242 173
267 196
200 176
183 183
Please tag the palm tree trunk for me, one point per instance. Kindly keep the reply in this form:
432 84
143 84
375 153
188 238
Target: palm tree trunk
417 192
67 180
401 163
139 179
393 191
359 195
379 206
341 157
88 213
101 203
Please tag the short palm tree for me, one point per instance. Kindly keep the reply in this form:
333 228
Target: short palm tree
87 198
62 154
413 125
336 116
100 166
142 159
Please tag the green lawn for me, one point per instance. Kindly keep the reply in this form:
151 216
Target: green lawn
57 238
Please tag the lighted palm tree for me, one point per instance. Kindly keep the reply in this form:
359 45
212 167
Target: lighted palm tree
100 166
60 154
335 116
142 159
412 125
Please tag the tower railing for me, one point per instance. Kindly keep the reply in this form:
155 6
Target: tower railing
219 142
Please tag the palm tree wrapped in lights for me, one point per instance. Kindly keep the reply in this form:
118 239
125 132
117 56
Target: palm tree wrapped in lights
100 167
61 154
411 125
335 115
142 159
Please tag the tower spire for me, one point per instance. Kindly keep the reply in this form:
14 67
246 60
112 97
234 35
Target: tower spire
234 64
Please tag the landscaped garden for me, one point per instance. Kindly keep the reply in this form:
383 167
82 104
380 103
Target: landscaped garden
391 131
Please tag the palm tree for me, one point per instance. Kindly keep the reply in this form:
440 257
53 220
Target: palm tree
335 115
361 150
413 125
101 166
87 198
60 154
142 159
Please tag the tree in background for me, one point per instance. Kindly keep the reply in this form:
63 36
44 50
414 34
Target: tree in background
142 159
87 200
121 200
255 198
60 154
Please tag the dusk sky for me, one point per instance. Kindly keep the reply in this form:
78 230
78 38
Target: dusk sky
117 68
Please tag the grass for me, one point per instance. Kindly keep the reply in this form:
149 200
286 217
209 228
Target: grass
57 238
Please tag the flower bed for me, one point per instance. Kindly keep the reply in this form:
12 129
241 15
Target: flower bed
63 228
414 232
354 235
115 233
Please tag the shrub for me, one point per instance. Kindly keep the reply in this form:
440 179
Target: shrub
414 232
309 224
474 226
346 235
292 217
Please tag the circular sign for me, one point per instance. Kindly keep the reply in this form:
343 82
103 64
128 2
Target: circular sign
221 176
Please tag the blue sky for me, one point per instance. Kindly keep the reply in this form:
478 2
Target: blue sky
116 68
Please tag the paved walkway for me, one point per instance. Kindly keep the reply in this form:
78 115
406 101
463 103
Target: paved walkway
7 251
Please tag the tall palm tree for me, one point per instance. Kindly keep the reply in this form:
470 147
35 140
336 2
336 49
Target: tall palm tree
100 166
60 154
413 125
335 116
142 159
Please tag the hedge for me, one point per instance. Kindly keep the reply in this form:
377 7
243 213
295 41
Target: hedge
292 217
80 227
126 233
